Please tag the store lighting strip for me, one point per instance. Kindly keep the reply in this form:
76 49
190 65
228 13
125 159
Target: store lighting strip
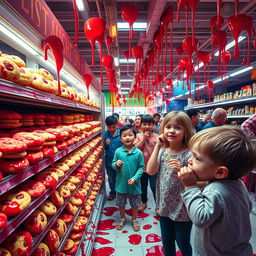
137 26
80 5
125 80
122 61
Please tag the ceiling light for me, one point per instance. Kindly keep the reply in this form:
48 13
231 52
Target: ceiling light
80 5
125 80
125 61
200 65
116 61
240 71
231 44
137 26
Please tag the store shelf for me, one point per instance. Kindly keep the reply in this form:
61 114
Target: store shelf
12 92
12 181
239 116
225 102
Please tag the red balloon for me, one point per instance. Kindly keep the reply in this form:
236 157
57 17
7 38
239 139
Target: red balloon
203 56
226 57
87 79
189 47
215 23
137 52
210 84
129 13
107 61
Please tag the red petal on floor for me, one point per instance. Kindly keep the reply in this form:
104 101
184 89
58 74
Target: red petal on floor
102 233
153 238
104 251
109 211
140 214
134 239
102 240
106 224
156 250
148 226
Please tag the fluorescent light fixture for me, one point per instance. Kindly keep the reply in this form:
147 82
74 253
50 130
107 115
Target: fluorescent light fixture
80 5
137 26
240 71
125 89
16 39
125 80
129 60
116 61
231 44
200 65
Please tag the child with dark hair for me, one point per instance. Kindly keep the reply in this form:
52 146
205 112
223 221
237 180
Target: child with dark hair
146 141
221 211
111 142
117 116
137 123
129 165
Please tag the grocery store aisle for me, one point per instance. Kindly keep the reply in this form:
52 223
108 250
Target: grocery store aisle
146 242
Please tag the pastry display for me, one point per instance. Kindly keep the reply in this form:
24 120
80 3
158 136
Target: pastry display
41 250
36 222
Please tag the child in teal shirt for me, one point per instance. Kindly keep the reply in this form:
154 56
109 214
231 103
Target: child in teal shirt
129 163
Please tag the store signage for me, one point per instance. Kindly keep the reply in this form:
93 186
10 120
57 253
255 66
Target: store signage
181 87
39 16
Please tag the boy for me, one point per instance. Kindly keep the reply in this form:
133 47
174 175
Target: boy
146 141
129 165
220 212
112 142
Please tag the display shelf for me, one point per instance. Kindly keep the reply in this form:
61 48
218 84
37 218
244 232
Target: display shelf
12 181
69 228
238 116
38 238
16 221
12 92
225 102
86 245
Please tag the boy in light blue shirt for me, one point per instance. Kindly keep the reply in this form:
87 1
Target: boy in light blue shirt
129 165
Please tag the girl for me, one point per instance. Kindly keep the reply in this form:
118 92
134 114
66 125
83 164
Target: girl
137 123
169 155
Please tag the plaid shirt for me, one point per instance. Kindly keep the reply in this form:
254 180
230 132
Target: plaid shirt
249 126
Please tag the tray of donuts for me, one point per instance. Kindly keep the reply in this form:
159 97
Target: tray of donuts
23 200
41 220
14 69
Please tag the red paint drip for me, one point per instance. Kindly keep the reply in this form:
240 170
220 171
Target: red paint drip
135 239
102 240
104 251
55 44
236 7
102 233
157 217
124 231
106 224
178 253
219 3
155 223
156 250
140 214
153 238
76 22
82 249
146 227
109 211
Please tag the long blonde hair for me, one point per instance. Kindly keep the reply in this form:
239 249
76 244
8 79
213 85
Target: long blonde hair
182 119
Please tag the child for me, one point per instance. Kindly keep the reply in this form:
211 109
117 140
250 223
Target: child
220 212
137 123
146 141
171 152
112 142
129 164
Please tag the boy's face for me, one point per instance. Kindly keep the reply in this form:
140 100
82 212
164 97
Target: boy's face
147 127
203 167
127 137
195 119
157 119
112 128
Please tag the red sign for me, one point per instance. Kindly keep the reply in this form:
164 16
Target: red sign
39 16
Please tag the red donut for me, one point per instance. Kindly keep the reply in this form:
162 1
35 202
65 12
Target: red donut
62 145
34 157
49 151
67 218
9 146
3 220
47 180
32 139
72 251
9 115
13 166
36 222
34 188
52 240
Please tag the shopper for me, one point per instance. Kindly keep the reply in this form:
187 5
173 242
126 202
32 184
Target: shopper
119 124
156 117
194 115
137 123
219 117
112 142
249 126
146 141
220 212
170 153
129 165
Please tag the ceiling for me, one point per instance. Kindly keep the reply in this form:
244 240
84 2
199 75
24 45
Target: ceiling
150 12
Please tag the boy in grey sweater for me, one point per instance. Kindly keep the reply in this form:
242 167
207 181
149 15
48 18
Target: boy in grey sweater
219 212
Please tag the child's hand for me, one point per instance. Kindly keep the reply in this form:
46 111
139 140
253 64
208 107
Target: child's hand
187 176
146 134
131 181
119 163
174 164
160 140
107 142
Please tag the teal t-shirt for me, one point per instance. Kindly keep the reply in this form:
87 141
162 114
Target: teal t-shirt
133 167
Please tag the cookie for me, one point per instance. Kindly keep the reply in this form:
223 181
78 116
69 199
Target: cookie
17 60
41 250
25 77
60 227
33 188
9 70
13 166
46 74
36 222
48 208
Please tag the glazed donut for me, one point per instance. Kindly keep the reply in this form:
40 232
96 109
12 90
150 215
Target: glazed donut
82 191
48 208
64 191
15 203
36 222
25 77
45 73
67 218
52 240
48 180
34 157
17 60
68 245
41 250
57 199
33 140
60 227
61 166
19 243
13 166
73 250
27 120
3 221
33 188
76 235
76 201
12 146
78 226
4 252
82 219
73 179
70 186
62 145
49 151
71 209
9 70
59 173
64 93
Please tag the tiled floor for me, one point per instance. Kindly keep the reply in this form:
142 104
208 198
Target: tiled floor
146 242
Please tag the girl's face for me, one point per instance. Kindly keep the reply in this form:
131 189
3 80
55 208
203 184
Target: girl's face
137 121
127 137
147 127
174 132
